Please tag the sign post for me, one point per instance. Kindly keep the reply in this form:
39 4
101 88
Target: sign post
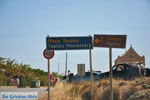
48 54
71 43
110 41
49 82
91 73
111 73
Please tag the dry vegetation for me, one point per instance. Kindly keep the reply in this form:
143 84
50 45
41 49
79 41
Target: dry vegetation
138 89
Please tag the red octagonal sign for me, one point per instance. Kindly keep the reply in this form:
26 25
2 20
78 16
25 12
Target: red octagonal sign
48 54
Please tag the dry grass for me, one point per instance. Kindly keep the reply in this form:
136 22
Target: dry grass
122 90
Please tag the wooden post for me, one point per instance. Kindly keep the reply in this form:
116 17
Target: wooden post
110 73
48 61
91 73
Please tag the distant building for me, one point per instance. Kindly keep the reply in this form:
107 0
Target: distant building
131 57
81 69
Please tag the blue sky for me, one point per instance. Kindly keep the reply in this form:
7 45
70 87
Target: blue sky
24 24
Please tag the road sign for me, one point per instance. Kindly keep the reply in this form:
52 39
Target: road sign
113 41
48 54
68 43
110 41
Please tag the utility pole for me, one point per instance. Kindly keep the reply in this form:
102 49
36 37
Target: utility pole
58 68
66 64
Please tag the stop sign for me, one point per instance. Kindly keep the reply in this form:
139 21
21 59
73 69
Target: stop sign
48 54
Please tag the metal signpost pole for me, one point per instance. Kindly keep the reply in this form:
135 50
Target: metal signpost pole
48 79
110 73
70 43
91 73
48 54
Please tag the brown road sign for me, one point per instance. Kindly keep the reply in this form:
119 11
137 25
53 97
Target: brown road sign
113 41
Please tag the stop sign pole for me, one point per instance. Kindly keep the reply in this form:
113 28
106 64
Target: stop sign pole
49 81
48 54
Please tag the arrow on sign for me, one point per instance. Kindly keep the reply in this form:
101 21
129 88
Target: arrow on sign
97 40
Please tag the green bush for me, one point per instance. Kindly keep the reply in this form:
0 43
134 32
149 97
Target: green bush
3 79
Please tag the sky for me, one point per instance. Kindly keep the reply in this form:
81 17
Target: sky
24 25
